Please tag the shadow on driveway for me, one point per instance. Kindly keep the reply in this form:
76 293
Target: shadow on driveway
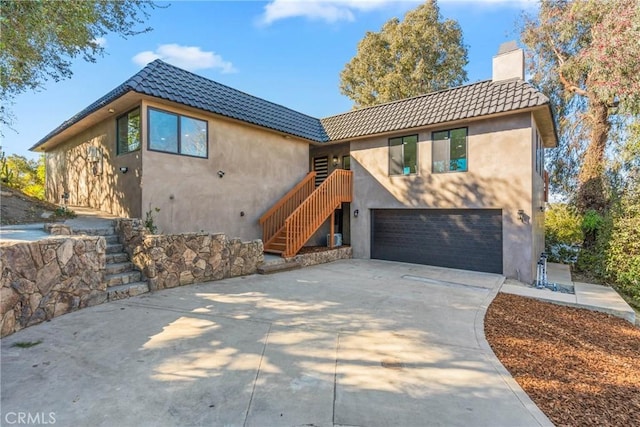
354 342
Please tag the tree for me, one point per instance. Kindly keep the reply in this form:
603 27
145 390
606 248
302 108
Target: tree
421 54
23 174
38 39
586 55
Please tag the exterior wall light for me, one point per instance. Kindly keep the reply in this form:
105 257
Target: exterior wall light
220 174
124 169
521 215
335 160
356 213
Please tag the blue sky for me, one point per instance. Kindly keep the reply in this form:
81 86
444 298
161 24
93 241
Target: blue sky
286 51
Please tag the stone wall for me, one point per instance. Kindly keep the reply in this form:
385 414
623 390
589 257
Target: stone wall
168 261
44 279
323 257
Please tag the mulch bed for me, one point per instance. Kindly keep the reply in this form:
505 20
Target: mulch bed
581 368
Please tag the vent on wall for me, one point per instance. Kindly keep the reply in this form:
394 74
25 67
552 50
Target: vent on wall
321 168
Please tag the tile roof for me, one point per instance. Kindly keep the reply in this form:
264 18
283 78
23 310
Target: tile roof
165 81
463 102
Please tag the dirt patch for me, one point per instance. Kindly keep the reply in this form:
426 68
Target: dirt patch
581 368
18 208
582 276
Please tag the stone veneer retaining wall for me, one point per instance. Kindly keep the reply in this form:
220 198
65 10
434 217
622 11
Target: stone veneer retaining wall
323 257
44 279
168 261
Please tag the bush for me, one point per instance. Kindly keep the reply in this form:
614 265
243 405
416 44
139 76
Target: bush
563 233
622 251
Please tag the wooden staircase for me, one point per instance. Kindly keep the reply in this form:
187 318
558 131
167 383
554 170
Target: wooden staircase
291 222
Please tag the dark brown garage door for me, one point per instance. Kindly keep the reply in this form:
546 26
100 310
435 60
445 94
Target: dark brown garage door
468 239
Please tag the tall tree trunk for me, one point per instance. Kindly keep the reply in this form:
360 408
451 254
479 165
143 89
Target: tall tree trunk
591 194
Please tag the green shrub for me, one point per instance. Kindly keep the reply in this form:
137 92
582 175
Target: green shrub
622 250
592 221
562 224
64 212
563 233
149 221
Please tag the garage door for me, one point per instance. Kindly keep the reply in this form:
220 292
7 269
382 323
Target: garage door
468 239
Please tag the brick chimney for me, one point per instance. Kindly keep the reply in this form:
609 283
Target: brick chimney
509 62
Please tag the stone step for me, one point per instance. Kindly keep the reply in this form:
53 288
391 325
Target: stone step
118 267
277 267
127 290
123 278
112 239
117 257
101 231
114 248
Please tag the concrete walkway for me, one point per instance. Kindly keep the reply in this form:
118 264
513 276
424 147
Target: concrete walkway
593 297
351 343
86 219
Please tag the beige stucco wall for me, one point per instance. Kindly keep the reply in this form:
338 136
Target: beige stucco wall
499 177
538 203
69 171
260 167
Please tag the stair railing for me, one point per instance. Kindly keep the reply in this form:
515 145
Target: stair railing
315 209
273 220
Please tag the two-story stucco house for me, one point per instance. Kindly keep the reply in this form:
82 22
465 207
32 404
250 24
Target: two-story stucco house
453 178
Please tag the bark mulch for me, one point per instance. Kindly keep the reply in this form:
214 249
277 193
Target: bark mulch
581 368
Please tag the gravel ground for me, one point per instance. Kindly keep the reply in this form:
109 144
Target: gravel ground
581 368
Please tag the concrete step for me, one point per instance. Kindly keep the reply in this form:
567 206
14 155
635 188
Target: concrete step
118 267
112 239
277 267
114 248
117 257
122 278
127 290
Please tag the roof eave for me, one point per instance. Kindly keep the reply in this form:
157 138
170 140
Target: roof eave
113 108
547 126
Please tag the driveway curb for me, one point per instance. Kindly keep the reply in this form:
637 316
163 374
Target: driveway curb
524 398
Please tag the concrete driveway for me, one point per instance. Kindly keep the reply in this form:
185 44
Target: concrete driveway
352 343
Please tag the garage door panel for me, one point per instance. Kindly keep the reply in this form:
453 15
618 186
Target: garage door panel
468 239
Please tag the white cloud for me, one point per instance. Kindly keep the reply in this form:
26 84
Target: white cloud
100 41
326 10
188 57
337 10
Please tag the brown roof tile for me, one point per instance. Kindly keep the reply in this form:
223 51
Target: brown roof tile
463 102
